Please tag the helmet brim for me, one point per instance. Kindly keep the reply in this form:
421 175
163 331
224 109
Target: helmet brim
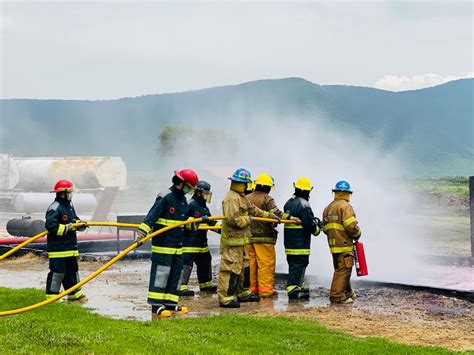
237 179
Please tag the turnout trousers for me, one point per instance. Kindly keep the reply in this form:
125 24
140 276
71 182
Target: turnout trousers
164 277
262 268
65 272
341 280
296 270
234 274
204 269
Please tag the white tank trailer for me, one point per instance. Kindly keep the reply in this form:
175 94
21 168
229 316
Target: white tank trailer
25 182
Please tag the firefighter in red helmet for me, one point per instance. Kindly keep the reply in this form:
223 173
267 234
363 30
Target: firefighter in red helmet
62 243
170 207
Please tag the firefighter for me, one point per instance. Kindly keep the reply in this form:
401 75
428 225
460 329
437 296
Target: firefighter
298 238
234 273
62 243
261 248
169 208
340 226
195 248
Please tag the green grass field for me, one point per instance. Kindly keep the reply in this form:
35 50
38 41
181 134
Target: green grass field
69 328
458 185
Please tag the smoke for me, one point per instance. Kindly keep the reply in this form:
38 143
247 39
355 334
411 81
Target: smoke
312 147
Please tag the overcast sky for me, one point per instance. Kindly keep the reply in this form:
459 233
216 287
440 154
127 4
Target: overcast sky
111 49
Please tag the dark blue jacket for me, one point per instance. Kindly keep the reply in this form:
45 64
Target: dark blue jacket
170 205
299 237
60 213
196 209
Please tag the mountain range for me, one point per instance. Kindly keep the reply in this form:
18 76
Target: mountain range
433 127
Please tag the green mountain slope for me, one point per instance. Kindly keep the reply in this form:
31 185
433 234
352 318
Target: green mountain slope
432 128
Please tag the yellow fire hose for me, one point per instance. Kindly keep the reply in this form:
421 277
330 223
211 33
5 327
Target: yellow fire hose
117 257
90 224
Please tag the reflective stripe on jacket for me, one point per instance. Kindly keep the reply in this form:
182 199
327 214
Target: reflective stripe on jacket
197 208
236 224
263 232
340 226
169 208
299 236
59 214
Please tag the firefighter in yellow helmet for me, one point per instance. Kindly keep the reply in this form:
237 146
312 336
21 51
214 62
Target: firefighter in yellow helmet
340 226
298 238
234 273
261 246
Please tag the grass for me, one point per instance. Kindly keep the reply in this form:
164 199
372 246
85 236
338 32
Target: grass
69 328
458 185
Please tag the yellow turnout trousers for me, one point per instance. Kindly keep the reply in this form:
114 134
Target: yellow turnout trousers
262 268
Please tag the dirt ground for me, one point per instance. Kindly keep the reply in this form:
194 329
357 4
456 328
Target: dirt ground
413 317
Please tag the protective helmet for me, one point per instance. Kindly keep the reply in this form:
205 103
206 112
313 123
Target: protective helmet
63 186
303 183
187 175
342 186
241 175
203 186
264 180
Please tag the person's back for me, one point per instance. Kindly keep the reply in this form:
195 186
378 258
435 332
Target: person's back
297 238
341 227
261 248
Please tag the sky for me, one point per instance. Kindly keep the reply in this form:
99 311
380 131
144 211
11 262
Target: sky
113 49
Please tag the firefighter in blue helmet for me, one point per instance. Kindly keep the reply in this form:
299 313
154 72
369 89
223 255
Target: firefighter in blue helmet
195 248
169 208
62 243
298 238
342 229
234 273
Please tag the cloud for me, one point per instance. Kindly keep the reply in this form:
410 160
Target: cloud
402 83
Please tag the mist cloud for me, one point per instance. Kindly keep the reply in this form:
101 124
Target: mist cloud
403 83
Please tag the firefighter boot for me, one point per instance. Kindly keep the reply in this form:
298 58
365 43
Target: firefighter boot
298 295
231 304
186 292
77 297
212 289
159 312
251 298
177 309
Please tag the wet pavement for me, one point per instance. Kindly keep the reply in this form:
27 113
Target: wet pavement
120 292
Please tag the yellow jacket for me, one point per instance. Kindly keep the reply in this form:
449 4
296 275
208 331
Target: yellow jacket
236 225
340 226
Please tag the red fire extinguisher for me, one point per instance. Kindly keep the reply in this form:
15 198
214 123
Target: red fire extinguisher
360 262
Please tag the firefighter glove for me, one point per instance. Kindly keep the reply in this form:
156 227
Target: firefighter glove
318 222
296 219
316 231
274 216
82 227
205 219
139 235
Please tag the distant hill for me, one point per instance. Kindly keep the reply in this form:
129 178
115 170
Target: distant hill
433 127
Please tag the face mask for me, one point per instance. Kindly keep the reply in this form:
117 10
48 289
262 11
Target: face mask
69 196
187 190
207 196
